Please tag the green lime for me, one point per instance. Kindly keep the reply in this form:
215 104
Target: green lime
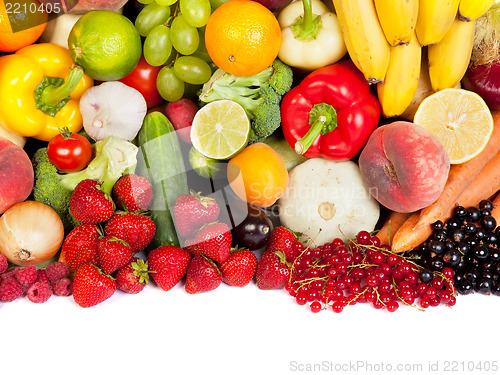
105 44
220 129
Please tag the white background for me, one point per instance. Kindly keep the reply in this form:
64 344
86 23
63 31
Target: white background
242 331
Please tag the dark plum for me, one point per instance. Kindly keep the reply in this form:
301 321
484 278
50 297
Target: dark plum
254 231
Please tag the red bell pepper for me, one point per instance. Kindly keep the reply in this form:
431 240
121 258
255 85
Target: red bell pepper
331 113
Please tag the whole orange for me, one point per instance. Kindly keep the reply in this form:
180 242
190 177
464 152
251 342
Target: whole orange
21 24
258 175
243 37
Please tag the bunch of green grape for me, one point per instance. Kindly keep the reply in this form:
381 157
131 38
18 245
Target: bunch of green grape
174 32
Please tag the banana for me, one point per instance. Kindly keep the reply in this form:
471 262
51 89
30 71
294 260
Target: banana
364 38
398 19
434 20
401 80
448 60
470 10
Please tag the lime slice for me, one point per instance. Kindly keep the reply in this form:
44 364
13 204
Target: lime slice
220 129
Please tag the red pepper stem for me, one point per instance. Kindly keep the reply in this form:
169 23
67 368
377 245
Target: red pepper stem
52 95
303 144
322 119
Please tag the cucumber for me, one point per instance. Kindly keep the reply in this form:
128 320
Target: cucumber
160 161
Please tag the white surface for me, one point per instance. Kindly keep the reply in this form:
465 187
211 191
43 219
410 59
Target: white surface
243 331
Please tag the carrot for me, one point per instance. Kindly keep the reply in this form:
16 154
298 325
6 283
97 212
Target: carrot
393 222
459 178
408 236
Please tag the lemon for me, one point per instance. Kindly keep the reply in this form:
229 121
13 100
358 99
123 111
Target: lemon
105 44
460 119
220 129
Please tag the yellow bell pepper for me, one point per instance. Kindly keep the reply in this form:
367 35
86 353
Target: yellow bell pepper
40 91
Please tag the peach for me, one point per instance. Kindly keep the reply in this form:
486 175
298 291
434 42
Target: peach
404 166
16 174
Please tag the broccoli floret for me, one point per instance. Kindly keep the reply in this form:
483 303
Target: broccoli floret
47 188
260 95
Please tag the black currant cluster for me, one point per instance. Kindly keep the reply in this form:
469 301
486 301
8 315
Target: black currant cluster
468 242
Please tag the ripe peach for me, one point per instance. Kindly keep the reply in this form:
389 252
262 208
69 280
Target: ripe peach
404 166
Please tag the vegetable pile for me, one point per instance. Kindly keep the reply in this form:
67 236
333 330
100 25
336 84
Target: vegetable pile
340 189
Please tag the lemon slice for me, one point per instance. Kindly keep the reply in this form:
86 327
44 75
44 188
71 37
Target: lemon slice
220 129
460 119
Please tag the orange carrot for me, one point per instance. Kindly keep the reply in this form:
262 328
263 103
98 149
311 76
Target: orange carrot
408 236
460 177
393 222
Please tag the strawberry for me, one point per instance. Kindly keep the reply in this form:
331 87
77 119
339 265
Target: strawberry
214 240
136 229
91 286
133 277
273 272
89 205
282 239
192 211
239 268
190 245
168 265
202 275
113 253
80 246
132 193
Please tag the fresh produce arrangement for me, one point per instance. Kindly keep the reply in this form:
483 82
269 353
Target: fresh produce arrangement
342 151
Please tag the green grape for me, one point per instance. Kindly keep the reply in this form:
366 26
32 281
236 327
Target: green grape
166 3
169 85
145 1
185 38
192 69
151 16
201 51
217 3
157 46
196 12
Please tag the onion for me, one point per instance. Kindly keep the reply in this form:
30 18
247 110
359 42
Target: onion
485 81
30 233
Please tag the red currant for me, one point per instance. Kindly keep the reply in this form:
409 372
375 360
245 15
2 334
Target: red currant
424 302
337 307
392 306
315 307
301 298
363 237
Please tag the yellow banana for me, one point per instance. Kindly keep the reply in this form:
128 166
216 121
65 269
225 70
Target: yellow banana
364 38
398 19
434 20
401 80
470 10
448 60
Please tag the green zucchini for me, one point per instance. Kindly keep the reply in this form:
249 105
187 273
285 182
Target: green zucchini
160 161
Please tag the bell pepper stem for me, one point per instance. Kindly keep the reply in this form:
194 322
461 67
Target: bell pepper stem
52 95
307 21
322 119
307 25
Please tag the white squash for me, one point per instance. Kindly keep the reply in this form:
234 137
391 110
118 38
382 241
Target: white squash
327 199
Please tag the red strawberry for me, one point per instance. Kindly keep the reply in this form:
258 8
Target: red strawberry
133 277
202 275
113 253
168 265
192 211
132 193
190 245
80 246
273 272
135 228
89 205
214 240
282 239
91 286
239 268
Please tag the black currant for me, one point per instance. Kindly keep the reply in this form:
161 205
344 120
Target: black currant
425 276
470 228
453 223
462 247
473 214
483 285
437 247
436 263
451 258
437 225
488 223
457 235
495 290
485 203
480 234
440 235
480 252
464 287
459 211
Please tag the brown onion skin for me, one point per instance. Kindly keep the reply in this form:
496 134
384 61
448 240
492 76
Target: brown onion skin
485 81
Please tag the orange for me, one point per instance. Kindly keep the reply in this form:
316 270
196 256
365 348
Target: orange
243 37
21 24
258 175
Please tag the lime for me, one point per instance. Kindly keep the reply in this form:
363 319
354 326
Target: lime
220 129
105 44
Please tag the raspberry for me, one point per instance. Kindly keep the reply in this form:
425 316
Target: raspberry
62 287
9 273
27 275
56 271
4 263
39 292
10 289
42 277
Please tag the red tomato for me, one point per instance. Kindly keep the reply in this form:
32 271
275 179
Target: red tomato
70 152
143 79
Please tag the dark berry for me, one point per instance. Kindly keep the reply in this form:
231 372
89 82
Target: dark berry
481 234
453 223
436 247
451 258
473 214
471 241
425 276
495 290
491 238
483 285
459 211
470 228
485 203
472 275
485 212
464 287
480 252
457 235
436 263
440 235
488 223
494 255
437 225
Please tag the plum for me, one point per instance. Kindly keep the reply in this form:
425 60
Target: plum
181 114
274 5
404 166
